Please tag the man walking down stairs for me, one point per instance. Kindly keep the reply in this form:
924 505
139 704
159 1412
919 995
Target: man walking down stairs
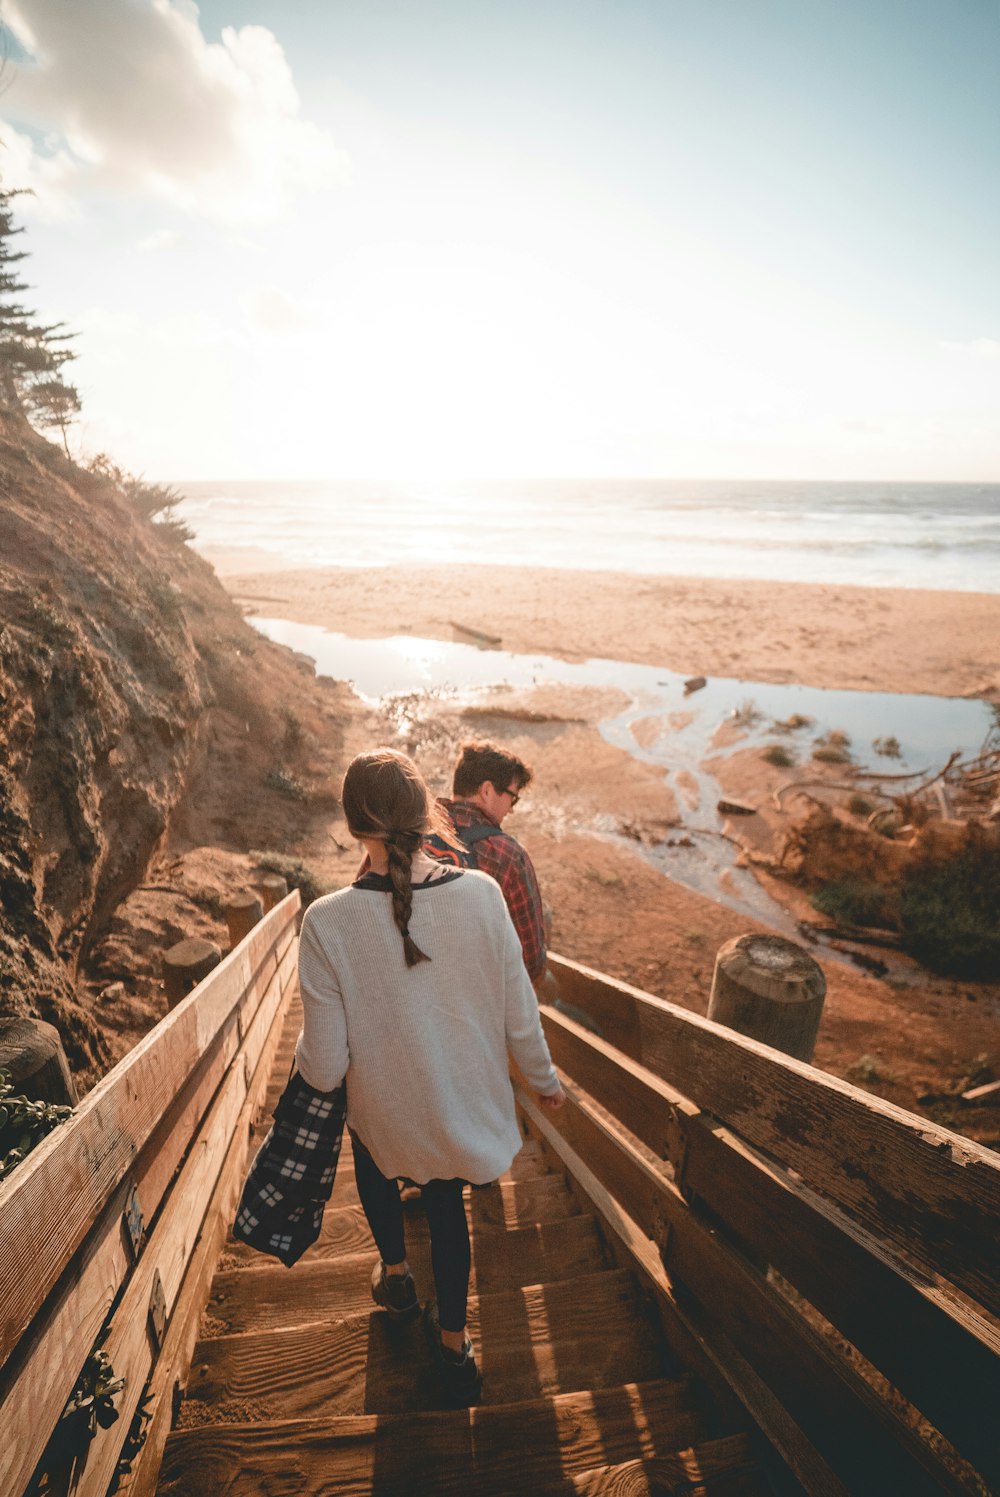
300 1385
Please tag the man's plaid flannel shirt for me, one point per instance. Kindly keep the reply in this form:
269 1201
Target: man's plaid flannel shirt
504 859
292 1175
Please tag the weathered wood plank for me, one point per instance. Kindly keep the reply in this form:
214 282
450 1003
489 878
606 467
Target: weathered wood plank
520 1447
531 1254
590 1332
171 1246
713 1468
861 1438
49 1205
735 1385
928 1192
171 1370
940 1355
39 1377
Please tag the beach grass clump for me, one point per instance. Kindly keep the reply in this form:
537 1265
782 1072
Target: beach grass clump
747 714
778 755
888 747
855 901
833 747
294 735
791 724
297 875
285 784
860 805
950 911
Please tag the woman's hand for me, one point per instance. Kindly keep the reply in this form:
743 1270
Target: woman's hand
554 1101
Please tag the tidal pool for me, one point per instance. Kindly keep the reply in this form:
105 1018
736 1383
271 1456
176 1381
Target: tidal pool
926 728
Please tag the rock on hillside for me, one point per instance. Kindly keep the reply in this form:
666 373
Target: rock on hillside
125 670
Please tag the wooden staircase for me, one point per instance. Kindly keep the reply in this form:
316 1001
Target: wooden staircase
299 1385
715 1271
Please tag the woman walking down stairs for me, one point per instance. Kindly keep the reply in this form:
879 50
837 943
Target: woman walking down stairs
300 1385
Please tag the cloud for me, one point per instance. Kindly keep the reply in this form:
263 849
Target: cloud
129 95
271 309
159 240
977 348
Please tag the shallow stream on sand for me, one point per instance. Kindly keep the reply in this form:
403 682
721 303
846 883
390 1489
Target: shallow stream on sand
665 726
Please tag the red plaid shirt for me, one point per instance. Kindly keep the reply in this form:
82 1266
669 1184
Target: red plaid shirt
505 860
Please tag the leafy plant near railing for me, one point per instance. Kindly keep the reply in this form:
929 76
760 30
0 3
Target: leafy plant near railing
23 1124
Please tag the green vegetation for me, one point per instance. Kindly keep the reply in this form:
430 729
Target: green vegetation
286 784
31 353
155 502
887 747
777 754
23 1124
950 911
854 901
293 735
296 874
860 805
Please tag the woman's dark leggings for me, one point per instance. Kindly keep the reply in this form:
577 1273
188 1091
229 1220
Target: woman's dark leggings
451 1256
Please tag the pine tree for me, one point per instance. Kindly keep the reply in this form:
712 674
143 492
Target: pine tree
31 354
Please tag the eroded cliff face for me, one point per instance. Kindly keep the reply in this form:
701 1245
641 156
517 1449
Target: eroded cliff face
122 661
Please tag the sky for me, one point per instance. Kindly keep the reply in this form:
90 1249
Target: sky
517 238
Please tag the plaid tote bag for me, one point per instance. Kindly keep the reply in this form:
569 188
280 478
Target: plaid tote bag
291 1177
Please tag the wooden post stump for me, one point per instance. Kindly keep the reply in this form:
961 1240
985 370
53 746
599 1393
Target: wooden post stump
273 889
770 989
31 1053
185 964
243 911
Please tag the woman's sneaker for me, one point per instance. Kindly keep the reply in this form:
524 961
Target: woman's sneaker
395 1293
463 1381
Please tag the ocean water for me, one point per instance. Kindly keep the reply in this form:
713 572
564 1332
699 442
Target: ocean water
943 536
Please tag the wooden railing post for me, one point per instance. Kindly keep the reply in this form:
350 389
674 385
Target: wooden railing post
184 966
273 889
243 910
770 989
31 1053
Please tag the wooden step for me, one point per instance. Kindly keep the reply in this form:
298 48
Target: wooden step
526 1447
712 1468
511 1203
540 1340
534 1254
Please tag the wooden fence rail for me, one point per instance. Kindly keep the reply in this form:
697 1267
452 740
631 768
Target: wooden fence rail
755 1184
916 1187
103 1219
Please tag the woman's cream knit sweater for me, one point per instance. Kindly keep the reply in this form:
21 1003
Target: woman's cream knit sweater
424 1048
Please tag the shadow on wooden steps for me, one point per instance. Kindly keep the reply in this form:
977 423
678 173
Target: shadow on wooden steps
299 1387
588 1332
593 1444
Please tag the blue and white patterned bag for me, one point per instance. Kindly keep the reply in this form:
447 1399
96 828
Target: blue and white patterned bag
292 1175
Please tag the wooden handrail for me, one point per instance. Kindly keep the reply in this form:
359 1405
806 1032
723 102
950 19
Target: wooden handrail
910 1183
64 1253
938 1352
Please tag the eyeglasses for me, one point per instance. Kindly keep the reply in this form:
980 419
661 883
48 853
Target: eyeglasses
514 797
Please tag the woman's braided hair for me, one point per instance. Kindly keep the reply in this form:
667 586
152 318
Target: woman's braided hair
385 799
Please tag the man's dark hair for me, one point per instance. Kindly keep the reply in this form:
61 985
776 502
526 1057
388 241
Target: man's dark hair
479 762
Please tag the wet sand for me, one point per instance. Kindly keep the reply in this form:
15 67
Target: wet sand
867 639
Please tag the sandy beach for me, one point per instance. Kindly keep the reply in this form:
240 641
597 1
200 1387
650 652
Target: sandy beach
861 638
605 830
